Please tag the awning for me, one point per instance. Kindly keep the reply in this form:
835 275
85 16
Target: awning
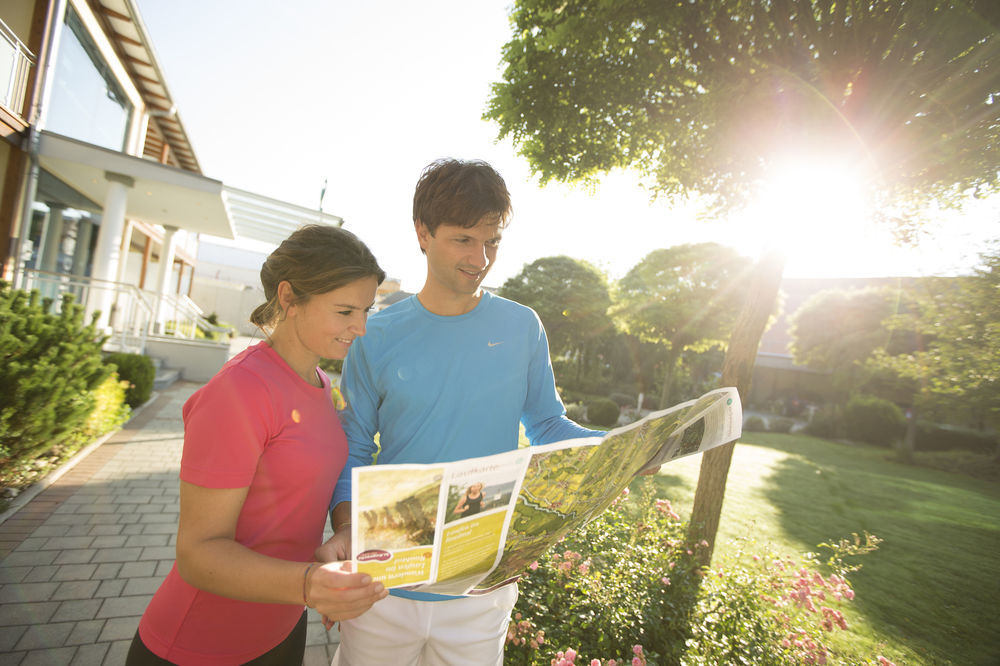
261 218
161 194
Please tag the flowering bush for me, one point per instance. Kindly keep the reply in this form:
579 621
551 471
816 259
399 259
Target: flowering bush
626 589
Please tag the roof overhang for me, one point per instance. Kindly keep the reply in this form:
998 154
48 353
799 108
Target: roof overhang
268 220
161 194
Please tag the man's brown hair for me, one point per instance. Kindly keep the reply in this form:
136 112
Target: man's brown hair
460 193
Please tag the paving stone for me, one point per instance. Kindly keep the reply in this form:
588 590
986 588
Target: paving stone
9 636
117 555
145 586
13 574
107 570
41 574
77 610
124 606
59 656
112 529
159 528
117 652
137 570
148 540
31 544
163 567
162 517
159 553
31 559
90 655
72 556
87 631
74 572
110 541
76 589
11 658
26 592
48 635
109 588
26 613
133 528
119 629
53 530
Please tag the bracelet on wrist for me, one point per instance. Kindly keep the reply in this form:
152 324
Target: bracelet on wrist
305 581
341 526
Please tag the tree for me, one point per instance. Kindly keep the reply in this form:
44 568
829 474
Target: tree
572 300
838 330
683 297
706 97
957 370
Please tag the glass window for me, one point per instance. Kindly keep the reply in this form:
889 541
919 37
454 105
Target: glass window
87 102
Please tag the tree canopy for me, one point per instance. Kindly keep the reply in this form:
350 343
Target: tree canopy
570 296
704 97
680 297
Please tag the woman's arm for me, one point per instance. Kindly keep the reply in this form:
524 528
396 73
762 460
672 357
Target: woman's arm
209 558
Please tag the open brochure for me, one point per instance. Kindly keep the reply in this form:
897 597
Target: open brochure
469 526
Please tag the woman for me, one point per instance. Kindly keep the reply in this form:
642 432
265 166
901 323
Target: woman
263 448
472 501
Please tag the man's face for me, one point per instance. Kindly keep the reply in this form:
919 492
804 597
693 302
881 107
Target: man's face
458 258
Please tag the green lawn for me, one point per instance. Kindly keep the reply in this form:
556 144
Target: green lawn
929 595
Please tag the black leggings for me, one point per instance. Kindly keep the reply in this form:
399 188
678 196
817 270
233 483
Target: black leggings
286 653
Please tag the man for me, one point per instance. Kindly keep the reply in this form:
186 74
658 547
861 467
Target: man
444 375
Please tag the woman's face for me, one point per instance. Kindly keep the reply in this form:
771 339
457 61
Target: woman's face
327 324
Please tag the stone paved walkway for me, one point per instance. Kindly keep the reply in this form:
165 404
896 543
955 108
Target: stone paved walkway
81 560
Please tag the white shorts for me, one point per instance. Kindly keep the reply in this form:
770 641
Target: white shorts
404 632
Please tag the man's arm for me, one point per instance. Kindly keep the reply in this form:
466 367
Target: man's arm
544 415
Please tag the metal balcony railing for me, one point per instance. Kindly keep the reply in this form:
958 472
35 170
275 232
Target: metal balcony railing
15 63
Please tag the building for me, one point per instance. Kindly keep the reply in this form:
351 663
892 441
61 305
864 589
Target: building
102 193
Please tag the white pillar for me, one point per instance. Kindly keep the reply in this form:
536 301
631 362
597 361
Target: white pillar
108 250
126 244
167 253
81 251
53 238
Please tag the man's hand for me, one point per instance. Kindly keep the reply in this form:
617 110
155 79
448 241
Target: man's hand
337 547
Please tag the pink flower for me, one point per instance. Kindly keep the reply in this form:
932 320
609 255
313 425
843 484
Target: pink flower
533 566
665 581
570 654
595 662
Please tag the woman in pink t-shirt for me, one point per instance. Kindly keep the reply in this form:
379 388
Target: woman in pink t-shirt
263 448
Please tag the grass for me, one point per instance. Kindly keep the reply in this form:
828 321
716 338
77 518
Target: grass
928 595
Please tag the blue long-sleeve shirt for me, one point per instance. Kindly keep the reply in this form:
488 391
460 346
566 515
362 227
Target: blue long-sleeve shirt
439 389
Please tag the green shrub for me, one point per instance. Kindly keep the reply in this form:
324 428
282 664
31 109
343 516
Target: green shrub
624 579
602 412
754 424
51 363
931 437
627 587
576 412
873 420
622 399
780 424
827 421
138 371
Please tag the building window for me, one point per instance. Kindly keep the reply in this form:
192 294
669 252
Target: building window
87 102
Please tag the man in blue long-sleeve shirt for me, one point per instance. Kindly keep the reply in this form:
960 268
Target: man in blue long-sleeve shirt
444 375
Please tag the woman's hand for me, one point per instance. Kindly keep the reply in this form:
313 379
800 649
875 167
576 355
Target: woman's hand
337 593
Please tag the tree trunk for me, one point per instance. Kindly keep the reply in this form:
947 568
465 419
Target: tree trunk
669 363
736 371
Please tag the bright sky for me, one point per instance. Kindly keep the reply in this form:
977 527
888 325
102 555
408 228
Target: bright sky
279 96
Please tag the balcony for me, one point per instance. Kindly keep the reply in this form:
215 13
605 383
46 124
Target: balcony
15 63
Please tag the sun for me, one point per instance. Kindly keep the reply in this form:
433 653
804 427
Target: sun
817 212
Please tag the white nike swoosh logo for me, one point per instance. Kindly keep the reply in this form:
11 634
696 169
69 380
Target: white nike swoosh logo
493 344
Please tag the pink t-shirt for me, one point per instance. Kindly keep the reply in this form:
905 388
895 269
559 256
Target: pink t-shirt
255 424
